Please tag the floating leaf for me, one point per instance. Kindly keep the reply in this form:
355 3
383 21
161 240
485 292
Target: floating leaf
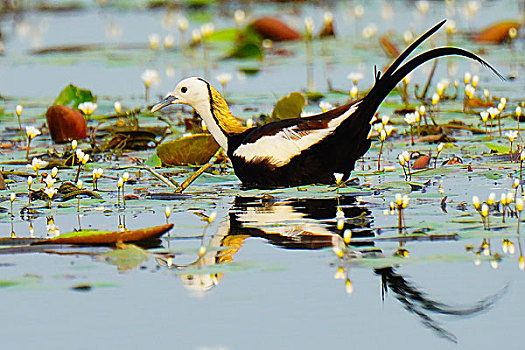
390 49
91 237
498 148
274 29
192 149
495 33
290 106
65 124
72 96
421 162
247 50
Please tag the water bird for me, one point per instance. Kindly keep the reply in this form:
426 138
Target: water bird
307 150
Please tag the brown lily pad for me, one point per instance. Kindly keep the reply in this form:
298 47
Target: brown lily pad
421 163
90 237
65 124
437 138
274 29
388 46
192 149
495 33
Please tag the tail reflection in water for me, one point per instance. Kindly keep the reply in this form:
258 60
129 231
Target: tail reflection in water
311 224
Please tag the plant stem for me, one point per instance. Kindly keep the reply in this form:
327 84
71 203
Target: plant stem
411 135
78 172
379 158
28 147
123 196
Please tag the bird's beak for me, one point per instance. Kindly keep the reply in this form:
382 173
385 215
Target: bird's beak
168 100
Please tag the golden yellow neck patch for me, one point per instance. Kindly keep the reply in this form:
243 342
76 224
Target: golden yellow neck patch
227 122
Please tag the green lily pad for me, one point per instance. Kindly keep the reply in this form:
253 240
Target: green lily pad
290 106
72 96
192 149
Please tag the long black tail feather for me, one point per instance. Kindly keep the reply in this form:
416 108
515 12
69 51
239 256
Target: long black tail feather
392 68
396 72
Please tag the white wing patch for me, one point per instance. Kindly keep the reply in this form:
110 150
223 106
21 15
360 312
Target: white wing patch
279 149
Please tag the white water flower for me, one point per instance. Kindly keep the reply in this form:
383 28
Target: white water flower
32 132
207 29
355 76
354 91
325 106
309 26
50 192
410 118
512 134
224 78
118 107
37 164
18 110
154 40
149 77
239 16
484 116
87 108
338 177
54 171
183 24
50 181
493 112
475 202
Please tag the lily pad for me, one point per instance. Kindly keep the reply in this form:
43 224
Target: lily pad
290 106
72 96
91 237
192 149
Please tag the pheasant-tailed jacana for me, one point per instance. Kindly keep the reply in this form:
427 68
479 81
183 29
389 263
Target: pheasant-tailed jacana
301 151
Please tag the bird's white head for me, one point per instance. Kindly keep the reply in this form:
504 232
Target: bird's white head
191 91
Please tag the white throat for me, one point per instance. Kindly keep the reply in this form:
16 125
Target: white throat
204 111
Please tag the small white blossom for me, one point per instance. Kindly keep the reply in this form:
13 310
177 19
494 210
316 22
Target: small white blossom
512 134
32 132
18 110
355 76
224 78
410 118
88 107
50 191
50 181
149 77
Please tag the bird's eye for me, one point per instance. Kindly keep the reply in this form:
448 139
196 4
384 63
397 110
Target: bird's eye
184 89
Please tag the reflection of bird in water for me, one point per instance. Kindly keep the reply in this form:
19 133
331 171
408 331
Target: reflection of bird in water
293 224
299 223
424 307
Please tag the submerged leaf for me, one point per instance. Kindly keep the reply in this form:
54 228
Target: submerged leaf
192 149
290 106
126 257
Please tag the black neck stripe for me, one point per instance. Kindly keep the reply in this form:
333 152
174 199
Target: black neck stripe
210 98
